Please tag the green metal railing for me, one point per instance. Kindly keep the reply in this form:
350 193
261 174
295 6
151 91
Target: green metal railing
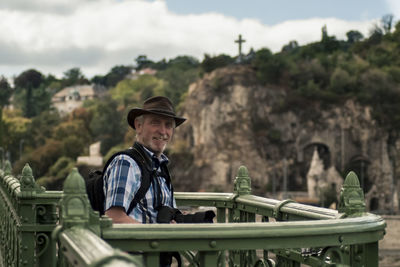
300 234
28 217
290 232
30 226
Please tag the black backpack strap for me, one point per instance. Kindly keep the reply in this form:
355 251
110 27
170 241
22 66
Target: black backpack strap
145 164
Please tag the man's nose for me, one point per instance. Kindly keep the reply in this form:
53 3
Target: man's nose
162 128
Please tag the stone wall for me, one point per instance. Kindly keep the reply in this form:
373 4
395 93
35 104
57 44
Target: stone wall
233 121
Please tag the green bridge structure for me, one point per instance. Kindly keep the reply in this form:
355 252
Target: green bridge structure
59 228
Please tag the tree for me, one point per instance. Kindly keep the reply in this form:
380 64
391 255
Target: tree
5 93
130 92
354 36
179 74
42 128
74 76
117 74
25 83
108 125
292 45
143 62
211 63
268 67
387 23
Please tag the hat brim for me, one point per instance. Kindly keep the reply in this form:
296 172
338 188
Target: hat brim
136 112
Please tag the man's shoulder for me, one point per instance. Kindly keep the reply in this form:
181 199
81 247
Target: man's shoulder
123 160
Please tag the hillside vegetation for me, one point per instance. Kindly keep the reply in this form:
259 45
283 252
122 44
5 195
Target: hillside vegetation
328 72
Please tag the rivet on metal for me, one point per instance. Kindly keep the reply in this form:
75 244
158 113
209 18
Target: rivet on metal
213 244
154 244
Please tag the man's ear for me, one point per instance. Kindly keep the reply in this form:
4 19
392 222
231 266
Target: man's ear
138 125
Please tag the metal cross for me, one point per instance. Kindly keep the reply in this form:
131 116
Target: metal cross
240 41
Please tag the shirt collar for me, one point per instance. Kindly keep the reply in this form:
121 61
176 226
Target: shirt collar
163 159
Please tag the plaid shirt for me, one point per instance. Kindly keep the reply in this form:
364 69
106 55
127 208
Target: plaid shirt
122 180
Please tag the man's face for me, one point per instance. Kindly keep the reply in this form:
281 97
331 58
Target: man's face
154 132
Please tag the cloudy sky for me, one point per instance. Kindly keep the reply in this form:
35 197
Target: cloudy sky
53 36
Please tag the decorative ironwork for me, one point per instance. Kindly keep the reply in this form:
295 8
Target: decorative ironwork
347 238
42 241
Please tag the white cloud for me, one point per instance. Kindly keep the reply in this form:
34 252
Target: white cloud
97 35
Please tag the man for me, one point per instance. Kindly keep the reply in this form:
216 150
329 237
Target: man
155 124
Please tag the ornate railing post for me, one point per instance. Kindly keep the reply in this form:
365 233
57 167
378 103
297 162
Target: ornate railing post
351 203
79 231
242 187
351 199
242 183
27 212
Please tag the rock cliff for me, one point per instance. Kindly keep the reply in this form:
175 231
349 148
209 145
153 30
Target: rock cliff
233 121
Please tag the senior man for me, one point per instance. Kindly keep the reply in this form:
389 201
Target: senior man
155 124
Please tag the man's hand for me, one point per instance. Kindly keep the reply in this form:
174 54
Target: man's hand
118 215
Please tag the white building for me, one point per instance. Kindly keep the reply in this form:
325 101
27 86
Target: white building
73 97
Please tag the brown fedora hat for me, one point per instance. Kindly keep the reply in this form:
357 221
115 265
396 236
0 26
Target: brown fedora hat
158 105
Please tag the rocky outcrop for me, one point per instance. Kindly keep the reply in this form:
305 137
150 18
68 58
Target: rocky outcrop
233 121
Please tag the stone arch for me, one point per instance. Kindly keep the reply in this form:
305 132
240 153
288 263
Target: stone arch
304 161
323 150
359 164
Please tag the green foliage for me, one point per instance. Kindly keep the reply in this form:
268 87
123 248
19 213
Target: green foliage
108 124
114 76
178 75
41 158
268 67
61 168
28 79
74 76
5 92
41 128
134 92
210 63
341 82
313 77
290 47
30 95
354 36
57 173
71 128
143 62
15 129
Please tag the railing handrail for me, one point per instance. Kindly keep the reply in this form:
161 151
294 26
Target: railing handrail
84 248
364 224
256 202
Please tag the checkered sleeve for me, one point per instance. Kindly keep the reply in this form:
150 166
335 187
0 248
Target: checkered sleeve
121 182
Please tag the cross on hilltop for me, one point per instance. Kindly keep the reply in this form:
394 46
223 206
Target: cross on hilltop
240 41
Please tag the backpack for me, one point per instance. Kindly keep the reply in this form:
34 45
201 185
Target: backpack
95 182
